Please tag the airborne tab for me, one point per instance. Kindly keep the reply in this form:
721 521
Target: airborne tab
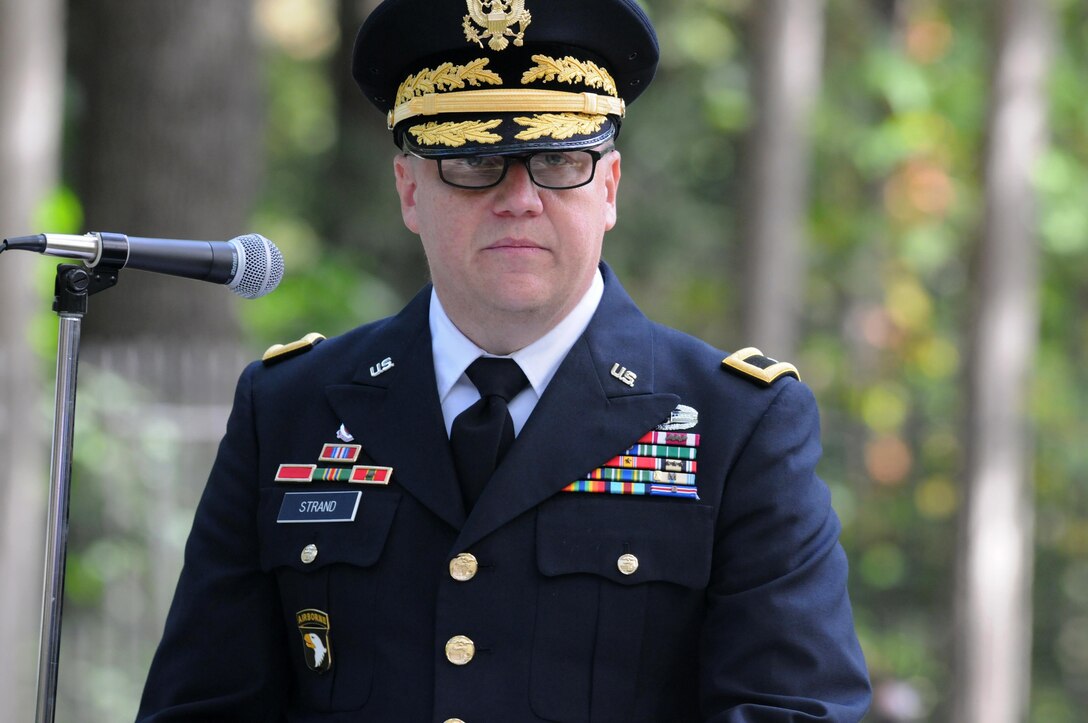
751 364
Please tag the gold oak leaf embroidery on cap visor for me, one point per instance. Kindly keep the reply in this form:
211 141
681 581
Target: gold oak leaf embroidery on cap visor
570 70
455 134
447 77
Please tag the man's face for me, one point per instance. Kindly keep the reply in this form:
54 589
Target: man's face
512 251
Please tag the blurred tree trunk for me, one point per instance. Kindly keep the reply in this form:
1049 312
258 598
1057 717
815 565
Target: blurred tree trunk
360 178
168 142
994 585
168 146
788 55
31 82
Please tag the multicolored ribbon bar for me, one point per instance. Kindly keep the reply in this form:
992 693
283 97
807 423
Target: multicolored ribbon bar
670 491
370 475
683 439
359 474
658 450
642 475
661 463
295 472
340 453
587 485
631 488
332 474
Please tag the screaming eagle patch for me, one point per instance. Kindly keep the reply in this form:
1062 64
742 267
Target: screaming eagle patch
313 625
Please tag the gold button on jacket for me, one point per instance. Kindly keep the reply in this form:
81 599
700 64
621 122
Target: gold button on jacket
463 567
460 650
627 564
309 553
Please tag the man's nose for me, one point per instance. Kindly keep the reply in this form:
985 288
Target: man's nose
517 192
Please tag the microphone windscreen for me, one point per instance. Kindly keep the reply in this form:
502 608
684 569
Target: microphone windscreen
260 266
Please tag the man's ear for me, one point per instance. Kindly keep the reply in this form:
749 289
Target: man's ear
404 172
611 185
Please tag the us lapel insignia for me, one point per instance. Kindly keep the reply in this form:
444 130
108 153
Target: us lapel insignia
344 435
495 22
683 417
625 375
313 625
381 367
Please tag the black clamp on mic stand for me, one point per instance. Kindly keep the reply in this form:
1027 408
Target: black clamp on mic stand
74 284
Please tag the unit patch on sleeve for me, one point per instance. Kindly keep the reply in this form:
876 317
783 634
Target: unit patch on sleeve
313 625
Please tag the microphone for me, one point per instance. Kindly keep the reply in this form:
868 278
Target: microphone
249 265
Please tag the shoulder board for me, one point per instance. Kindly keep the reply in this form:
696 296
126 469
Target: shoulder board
751 364
279 352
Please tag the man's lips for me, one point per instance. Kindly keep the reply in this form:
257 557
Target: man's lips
515 245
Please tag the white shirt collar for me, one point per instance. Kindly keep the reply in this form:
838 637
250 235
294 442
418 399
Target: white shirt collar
453 351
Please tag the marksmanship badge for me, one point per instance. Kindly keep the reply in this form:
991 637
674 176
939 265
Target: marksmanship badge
496 17
313 625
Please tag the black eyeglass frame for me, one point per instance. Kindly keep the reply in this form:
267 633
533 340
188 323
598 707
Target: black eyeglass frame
524 159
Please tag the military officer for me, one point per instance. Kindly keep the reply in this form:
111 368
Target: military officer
518 499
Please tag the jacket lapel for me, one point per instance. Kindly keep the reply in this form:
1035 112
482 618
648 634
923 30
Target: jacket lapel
587 415
395 414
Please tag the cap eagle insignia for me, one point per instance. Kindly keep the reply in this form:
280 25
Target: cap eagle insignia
496 18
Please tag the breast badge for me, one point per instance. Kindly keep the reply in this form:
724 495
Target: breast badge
313 625
683 417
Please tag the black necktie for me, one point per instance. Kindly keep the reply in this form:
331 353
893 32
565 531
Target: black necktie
482 434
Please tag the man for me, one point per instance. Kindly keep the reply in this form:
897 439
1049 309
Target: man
616 525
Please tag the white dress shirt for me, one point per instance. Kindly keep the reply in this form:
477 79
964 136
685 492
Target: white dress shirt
453 352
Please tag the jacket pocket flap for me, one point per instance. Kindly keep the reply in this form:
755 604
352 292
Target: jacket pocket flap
626 541
309 546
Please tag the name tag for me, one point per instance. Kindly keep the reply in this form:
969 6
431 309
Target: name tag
319 506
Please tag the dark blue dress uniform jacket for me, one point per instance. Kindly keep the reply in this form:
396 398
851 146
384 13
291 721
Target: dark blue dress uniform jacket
737 611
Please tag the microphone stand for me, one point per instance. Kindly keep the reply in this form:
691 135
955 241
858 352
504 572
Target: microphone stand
73 285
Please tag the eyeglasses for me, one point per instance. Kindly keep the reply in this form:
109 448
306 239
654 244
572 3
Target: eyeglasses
556 170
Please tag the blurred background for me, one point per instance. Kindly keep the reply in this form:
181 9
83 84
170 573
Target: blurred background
892 194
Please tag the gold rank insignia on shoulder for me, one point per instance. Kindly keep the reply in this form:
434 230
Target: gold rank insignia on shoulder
750 363
280 352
